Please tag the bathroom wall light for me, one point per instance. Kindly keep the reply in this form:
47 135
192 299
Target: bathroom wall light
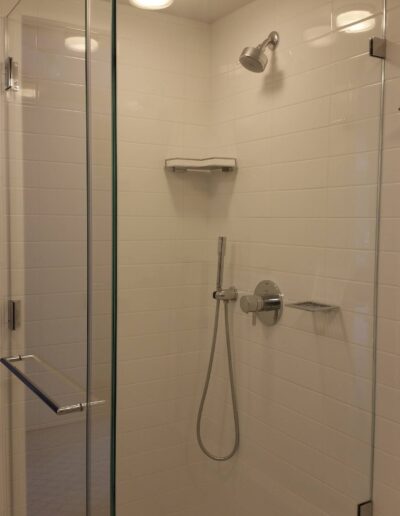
152 4
78 44
355 21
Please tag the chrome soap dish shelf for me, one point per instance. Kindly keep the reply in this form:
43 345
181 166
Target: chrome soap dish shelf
201 165
312 306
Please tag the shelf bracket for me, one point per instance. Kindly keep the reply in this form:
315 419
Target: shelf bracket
365 509
377 47
14 314
11 71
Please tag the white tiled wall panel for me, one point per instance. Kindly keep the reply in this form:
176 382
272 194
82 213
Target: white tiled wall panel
164 101
300 211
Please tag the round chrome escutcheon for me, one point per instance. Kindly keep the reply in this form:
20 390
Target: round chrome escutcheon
269 290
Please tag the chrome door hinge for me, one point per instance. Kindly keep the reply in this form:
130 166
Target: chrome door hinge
11 81
14 314
365 509
377 47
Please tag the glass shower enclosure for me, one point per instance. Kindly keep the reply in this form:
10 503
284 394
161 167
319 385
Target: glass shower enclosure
107 101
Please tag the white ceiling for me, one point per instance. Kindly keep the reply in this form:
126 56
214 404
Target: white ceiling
203 10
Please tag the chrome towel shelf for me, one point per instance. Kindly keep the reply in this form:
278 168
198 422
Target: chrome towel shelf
201 165
11 364
312 306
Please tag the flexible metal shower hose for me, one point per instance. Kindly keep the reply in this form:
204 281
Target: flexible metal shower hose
207 385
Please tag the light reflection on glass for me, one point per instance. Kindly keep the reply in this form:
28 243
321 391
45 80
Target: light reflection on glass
355 21
78 44
152 4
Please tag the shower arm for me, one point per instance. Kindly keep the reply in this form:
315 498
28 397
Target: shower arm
271 42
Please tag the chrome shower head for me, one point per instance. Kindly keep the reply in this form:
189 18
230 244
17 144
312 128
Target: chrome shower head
254 58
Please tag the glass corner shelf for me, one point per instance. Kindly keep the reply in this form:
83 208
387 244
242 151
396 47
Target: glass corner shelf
312 306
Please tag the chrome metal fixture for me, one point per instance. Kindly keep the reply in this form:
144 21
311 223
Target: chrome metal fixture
11 364
254 59
365 509
229 294
213 164
14 314
377 47
221 261
226 296
11 77
266 303
312 306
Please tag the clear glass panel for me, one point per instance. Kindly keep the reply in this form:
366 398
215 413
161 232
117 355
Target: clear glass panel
46 152
58 189
300 211
45 112
100 474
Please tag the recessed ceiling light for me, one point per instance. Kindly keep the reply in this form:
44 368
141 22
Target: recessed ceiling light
355 21
152 4
78 44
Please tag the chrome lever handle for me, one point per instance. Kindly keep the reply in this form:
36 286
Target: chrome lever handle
267 303
259 304
251 304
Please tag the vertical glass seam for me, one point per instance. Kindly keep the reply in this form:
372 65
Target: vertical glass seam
6 163
114 258
89 250
377 258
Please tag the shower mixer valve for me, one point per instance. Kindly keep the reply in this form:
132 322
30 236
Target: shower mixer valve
267 303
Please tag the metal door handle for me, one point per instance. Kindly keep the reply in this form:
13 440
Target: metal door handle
59 410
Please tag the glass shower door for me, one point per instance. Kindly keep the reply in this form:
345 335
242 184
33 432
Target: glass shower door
58 190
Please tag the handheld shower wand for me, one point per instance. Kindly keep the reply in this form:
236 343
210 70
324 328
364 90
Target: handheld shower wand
226 296
221 261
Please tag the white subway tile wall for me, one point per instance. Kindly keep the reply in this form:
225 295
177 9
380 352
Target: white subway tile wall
300 211
163 111
387 453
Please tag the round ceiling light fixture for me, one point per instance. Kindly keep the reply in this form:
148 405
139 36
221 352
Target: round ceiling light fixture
153 5
355 21
78 44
